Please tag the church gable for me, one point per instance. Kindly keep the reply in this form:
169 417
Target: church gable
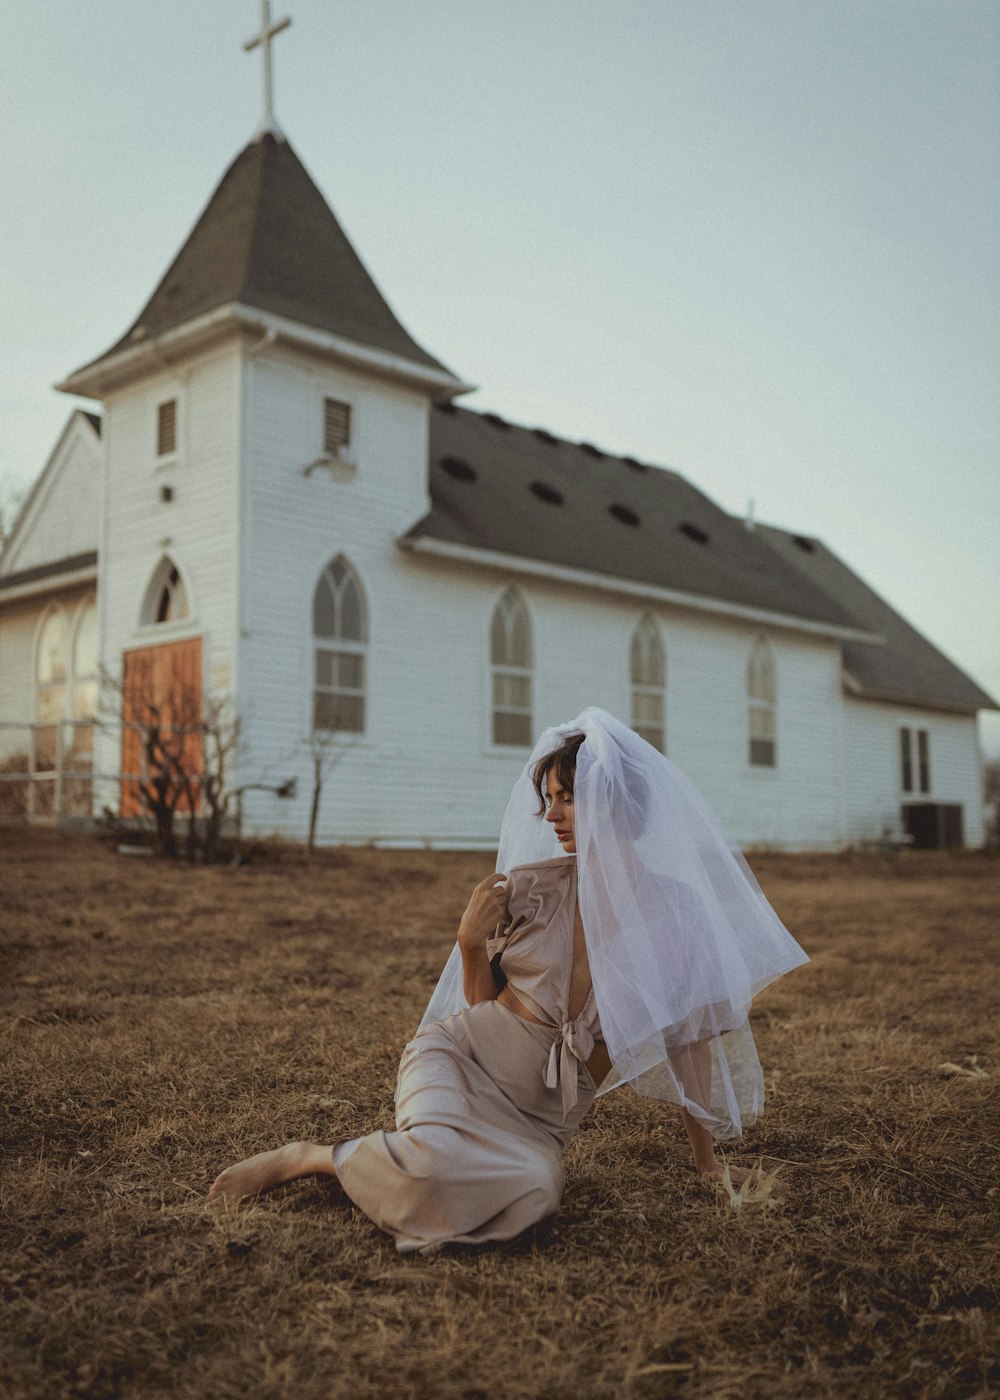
59 523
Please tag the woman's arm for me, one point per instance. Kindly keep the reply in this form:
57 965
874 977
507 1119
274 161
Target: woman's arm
485 911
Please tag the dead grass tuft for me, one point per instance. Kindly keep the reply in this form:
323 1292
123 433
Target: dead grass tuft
757 1190
972 1070
160 1021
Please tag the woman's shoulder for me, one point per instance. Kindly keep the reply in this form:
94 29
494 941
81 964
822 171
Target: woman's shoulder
537 889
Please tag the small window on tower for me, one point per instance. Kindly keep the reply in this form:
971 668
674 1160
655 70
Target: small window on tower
166 428
336 426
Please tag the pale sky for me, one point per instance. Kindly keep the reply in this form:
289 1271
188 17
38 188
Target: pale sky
758 243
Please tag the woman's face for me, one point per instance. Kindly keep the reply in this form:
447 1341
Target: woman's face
559 811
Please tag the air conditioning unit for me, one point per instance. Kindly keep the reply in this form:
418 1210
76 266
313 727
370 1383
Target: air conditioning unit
933 825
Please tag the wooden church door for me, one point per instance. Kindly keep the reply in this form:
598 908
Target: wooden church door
161 699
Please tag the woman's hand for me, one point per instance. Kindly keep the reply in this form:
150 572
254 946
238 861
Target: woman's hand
484 912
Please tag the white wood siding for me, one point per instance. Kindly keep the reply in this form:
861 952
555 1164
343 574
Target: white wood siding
425 769
197 529
294 525
63 519
251 535
873 787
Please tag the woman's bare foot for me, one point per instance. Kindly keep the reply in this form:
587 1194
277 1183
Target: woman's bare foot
737 1175
270 1169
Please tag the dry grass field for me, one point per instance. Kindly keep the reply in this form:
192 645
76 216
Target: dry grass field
162 1020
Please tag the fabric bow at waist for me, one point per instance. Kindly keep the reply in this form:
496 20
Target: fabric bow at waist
572 1047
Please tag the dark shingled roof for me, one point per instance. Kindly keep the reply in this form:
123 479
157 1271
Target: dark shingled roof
615 517
908 667
268 240
69 565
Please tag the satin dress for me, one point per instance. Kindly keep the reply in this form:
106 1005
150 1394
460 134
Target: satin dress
486 1101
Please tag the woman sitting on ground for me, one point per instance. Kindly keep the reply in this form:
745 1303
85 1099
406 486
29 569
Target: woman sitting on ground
624 945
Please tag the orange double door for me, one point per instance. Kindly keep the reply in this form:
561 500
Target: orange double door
161 693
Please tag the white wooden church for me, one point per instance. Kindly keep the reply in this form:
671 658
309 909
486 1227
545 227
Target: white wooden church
284 501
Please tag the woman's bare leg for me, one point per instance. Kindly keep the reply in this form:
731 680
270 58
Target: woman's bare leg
693 1067
270 1169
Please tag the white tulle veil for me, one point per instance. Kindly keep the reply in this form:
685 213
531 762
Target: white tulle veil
679 935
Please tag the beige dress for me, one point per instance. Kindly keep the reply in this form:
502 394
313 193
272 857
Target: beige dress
487 1101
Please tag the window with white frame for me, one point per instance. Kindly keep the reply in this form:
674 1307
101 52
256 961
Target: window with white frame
85 667
51 672
648 674
340 638
85 663
761 696
511 663
906 758
924 759
166 597
914 759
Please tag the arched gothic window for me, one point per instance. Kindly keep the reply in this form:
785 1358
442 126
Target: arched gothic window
761 694
340 635
648 673
511 661
84 697
85 663
166 597
51 670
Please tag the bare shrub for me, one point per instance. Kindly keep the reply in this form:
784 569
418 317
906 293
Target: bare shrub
178 751
326 749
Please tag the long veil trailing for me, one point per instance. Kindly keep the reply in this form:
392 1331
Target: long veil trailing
679 934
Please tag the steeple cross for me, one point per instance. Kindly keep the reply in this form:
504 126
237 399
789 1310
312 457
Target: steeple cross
263 40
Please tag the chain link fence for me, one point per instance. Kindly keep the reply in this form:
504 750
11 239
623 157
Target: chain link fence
47 773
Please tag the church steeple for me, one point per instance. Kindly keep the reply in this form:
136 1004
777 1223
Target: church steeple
268 242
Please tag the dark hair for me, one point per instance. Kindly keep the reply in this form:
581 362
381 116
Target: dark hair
563 760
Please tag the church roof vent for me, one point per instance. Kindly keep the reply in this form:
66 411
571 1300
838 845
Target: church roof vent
459 469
